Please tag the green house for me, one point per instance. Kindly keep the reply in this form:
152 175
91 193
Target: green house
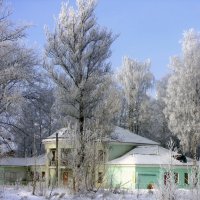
130 162
147 166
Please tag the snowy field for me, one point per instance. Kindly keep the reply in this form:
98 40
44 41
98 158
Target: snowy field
24 193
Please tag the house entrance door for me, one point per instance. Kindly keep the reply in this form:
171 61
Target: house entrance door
65 178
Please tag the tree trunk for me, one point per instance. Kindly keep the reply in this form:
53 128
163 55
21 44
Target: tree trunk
194 149
81 152
81 129
130 119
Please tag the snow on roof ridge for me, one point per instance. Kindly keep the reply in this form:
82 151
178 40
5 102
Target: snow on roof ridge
21 161
162 158
124 135
118 135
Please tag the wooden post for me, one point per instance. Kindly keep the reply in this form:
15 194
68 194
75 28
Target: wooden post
34 175
57 174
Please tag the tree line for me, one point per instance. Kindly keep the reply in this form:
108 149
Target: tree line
74 83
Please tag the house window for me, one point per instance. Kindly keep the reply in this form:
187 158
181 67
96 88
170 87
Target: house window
53 157
167 177
13 176
186 179
100 177
66 156
10 176
176 177
31 175
37 176
53 151
1 176
43 175
100 155
7 175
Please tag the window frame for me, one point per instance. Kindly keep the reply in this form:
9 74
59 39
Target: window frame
100 155
175 177
100 178
186 180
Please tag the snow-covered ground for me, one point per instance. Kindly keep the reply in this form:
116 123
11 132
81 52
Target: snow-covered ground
24 193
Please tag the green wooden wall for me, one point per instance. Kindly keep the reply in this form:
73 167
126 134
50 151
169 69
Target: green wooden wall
117 150
146 176
10 174
139 177
181 175
120 177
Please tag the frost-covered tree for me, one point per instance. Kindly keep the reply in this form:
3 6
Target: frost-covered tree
84 177
135 79
108 108
167 189
16 67
36 117
151 120
76 56
158 122
194 181
183 93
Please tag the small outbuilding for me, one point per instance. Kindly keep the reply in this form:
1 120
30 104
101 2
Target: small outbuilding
14 169
147 166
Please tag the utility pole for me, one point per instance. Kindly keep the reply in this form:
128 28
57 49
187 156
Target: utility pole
34 157
57 174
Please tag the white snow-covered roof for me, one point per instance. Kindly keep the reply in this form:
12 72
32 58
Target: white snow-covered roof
10 161
40 160
118 135
63 133
125 136
149 155
30 161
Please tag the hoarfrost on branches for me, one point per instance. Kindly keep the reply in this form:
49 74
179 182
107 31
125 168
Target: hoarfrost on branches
76 57
135 78
16 68
183 93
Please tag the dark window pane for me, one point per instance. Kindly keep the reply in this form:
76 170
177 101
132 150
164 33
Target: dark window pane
186 178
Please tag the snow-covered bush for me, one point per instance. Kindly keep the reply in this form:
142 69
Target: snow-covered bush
167 188
194 182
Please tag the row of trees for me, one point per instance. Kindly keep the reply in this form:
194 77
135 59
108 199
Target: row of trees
74 82
26 97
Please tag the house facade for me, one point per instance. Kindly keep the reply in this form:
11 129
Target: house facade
129 162
147 166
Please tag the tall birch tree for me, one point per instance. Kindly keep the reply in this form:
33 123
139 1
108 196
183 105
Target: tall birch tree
135 78
183 93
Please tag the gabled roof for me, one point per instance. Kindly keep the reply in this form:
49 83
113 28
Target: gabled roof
119 135
125 136
62 133
30 161
39 160
149 155
11 161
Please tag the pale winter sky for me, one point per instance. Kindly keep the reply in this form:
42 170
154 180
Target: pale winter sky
148 28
